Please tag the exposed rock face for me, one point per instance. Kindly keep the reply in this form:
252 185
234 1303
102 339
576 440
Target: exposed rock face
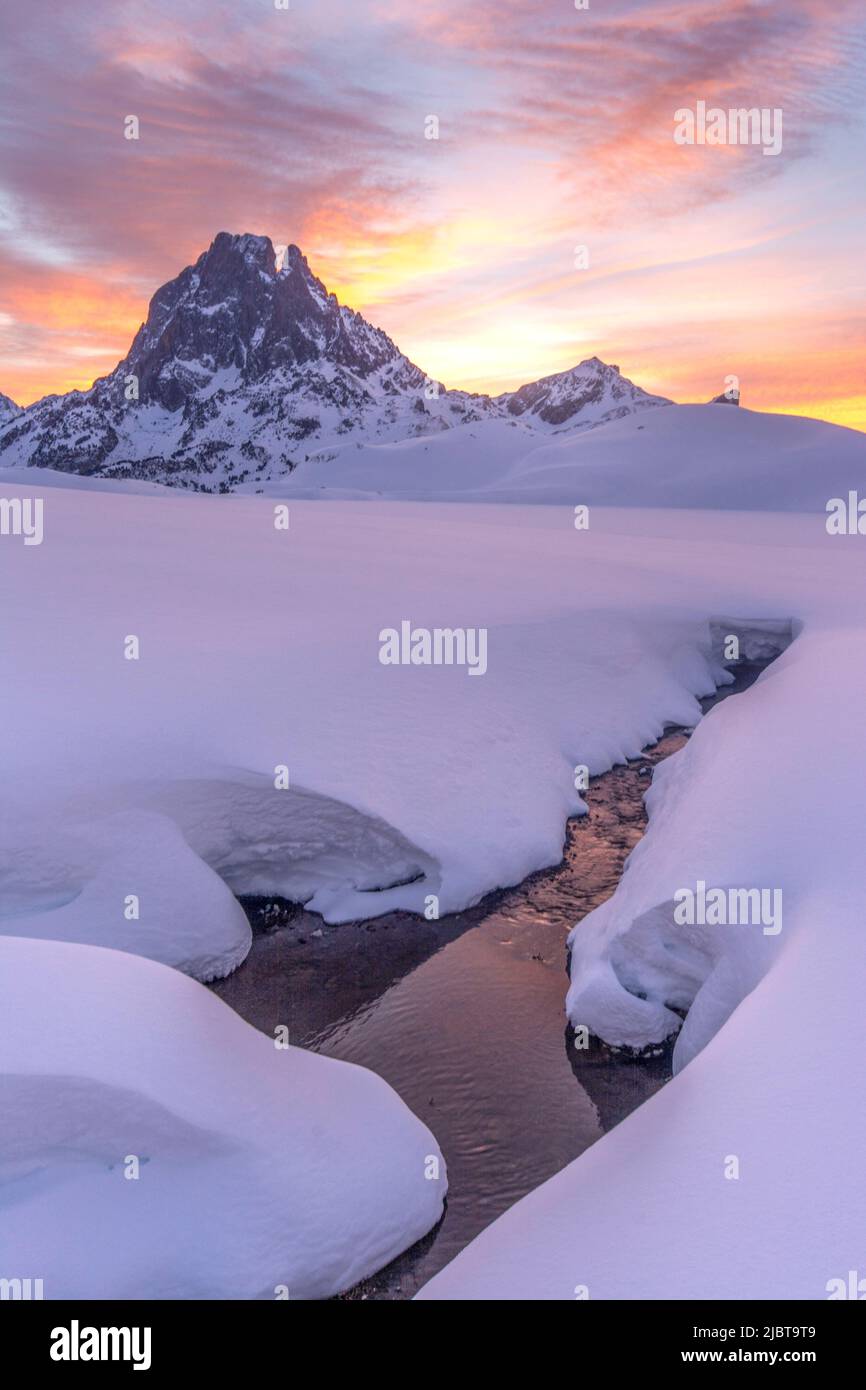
233 312
245 366
725 399
8 409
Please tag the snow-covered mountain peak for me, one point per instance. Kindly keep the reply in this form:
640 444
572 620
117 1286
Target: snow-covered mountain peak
235 312
247 366
593 389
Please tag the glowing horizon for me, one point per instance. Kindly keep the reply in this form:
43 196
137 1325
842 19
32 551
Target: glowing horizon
555 131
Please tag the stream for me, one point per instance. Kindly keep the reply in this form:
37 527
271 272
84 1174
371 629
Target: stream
465 1017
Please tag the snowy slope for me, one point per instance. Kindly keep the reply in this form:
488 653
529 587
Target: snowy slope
259 1166
702 456
32 477
464 461
684 456
8 409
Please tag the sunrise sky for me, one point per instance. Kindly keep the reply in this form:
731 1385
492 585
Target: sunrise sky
556 130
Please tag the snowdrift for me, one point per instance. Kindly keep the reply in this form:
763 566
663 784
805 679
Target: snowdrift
262 1172
702 456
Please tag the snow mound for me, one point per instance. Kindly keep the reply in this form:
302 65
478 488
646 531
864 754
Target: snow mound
152 867
294 842
260 1169
97 884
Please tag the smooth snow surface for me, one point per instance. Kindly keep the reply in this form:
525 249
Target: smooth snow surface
259 649
258 1167
31 478
702 456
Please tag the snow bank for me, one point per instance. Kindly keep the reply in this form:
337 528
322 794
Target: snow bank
128 881
703 456
258 650
258 1167
769 792
730 811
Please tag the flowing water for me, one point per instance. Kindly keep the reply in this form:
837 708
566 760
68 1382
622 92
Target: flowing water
465 1017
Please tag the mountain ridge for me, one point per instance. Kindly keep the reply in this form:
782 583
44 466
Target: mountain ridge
246 365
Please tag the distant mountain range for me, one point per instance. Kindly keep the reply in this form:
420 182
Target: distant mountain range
248 367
